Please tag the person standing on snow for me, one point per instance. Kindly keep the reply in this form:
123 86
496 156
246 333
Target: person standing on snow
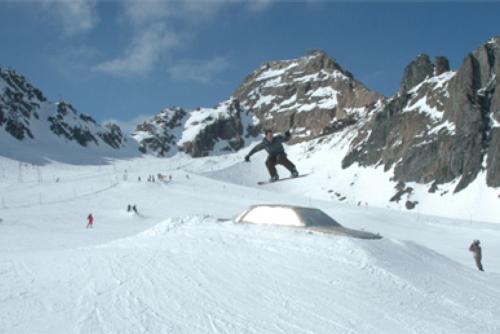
276 153
90 220
476 253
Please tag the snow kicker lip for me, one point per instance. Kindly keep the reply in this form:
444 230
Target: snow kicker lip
295 216
343 231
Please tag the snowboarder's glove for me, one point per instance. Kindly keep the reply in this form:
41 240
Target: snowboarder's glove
247 158
287 133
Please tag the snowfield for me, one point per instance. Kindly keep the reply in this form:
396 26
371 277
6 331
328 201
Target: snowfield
183 266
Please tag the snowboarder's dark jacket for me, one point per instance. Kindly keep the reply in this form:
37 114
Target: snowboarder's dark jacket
273 147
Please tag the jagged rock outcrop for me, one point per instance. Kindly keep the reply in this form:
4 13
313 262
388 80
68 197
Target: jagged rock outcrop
198 132
475 107
225 127
160 134
19 102
442 65
112 135
71 130
438 128
416 72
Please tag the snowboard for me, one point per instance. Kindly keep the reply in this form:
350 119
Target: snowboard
260 183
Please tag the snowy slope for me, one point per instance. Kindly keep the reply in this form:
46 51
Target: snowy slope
182 265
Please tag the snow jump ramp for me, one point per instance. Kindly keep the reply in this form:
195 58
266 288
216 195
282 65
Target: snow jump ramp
311 219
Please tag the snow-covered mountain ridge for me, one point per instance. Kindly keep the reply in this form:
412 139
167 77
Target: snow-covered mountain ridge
440 127
35 129
311 95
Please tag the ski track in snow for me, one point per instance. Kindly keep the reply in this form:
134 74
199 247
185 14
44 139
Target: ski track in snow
183 266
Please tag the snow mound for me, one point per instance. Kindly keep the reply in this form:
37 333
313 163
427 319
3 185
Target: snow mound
296 216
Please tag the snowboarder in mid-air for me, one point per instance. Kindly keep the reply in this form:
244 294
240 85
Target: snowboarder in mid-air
274 147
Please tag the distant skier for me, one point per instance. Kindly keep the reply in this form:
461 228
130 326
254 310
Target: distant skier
274 147
134 207
476 253
90 220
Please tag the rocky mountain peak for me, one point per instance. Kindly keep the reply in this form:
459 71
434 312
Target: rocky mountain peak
13 82
416 72
495 41
317 60
442 65
312 95
444 127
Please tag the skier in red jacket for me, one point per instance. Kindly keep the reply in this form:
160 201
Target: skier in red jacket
90 220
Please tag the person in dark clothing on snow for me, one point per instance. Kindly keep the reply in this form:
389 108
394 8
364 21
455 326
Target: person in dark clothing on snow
274 147
476 253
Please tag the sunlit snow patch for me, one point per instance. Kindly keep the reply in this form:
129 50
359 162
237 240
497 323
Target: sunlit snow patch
296 216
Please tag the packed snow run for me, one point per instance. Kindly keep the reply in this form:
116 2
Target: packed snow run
182 265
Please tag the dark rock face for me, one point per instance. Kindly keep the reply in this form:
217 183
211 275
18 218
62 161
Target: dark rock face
416 72
19 102
159 134
112 135
442 65
441 128
198 133
492 96
60 126
227 127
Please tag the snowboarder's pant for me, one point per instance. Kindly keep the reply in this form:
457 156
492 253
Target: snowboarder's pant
279 159
478 263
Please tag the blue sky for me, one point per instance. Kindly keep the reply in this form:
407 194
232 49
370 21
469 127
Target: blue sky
124 60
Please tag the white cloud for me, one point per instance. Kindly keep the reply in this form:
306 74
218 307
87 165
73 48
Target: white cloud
143 53
74 62
199 71
152 40
147 11
259 5
76 16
